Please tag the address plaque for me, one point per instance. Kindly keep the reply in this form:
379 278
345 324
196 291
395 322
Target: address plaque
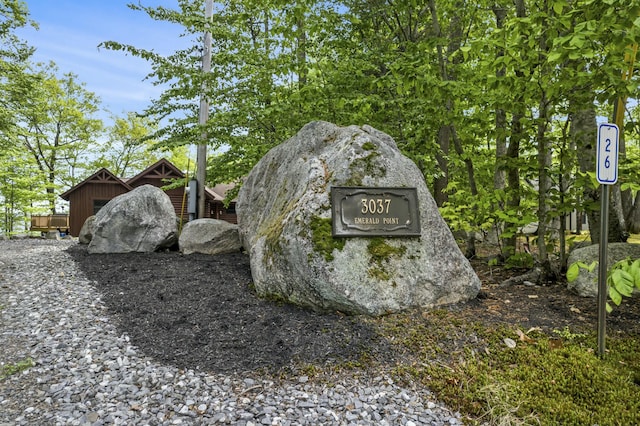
372 211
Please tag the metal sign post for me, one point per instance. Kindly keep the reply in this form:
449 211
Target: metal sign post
607 174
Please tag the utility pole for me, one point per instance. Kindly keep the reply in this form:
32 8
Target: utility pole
201 175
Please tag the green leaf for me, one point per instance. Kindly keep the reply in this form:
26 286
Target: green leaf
573 272
623 282
634 271
615 296
558 6
554 56
577 41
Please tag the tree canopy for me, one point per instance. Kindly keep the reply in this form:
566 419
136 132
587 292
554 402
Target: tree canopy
50 138
497 101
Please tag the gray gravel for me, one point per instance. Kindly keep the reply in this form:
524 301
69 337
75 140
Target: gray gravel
86 373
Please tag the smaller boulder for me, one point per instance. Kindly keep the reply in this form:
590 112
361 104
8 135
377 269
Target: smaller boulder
586 284
209 236
86 232
52 235
142 220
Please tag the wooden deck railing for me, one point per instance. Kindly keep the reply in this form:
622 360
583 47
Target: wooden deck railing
50 222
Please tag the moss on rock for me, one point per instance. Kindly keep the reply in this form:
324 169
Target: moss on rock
323 241
381 252
366 166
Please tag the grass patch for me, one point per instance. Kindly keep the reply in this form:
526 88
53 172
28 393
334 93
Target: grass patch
585 236
544 379
15 368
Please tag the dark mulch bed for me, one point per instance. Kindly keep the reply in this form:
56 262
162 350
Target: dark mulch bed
549 307
200 312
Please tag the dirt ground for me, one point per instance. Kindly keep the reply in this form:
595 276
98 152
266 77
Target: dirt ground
200 312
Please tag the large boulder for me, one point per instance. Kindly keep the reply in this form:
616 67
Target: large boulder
209 236
86 232
284 216
142 220
587 282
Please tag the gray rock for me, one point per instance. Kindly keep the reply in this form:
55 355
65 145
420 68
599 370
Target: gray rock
142 220
52 235
86 232
284 215
209 236
587 282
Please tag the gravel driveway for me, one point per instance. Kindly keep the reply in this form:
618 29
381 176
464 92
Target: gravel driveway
87 370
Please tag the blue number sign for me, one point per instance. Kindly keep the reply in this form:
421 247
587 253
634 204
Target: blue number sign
607 167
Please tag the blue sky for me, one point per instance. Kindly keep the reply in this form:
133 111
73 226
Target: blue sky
70 31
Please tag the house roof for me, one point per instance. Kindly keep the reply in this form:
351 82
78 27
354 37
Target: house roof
101 176
161 169
219 191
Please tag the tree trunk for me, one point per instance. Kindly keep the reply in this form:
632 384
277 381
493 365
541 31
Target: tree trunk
564 178
625 197
508 244
620 204
545 151
447 129
617 224
441 182
544 184
633 219
499 175
51 196
301 51
513 182
473 187
582 132
444 134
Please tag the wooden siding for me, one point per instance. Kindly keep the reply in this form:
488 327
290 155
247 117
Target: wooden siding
81 201
217 211
176 195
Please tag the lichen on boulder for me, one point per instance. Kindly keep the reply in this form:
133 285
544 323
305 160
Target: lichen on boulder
284 217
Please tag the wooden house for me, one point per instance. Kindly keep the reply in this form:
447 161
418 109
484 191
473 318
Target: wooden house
160 174
217 209
90 195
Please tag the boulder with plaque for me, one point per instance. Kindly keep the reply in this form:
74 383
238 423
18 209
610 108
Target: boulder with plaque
338 219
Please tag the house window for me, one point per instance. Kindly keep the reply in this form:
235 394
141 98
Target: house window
98 204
